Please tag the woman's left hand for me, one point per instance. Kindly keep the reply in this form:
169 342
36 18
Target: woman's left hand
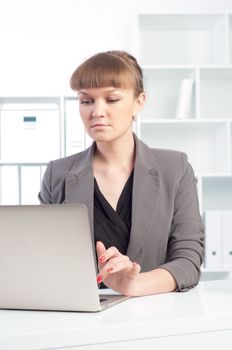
117 271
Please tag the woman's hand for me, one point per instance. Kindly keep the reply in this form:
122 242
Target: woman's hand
116 270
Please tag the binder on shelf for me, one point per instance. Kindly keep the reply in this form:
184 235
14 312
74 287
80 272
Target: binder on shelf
184 100
75 133
227 239
9 185
213 239
30 184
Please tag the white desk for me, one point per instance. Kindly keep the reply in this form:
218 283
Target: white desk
199 318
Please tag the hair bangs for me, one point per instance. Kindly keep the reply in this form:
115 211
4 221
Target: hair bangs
101 71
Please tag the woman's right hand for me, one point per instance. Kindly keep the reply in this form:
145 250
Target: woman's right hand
117 271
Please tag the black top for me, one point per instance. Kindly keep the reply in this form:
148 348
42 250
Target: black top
110 226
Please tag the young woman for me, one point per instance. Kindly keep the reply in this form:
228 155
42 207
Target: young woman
142 202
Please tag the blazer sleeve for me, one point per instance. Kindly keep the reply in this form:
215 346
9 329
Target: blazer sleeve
186 240
45 194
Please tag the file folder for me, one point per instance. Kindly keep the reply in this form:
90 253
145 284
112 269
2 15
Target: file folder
227 239
184 101
213 239
30 184
74 132
9 185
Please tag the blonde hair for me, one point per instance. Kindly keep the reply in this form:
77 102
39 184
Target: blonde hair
111 68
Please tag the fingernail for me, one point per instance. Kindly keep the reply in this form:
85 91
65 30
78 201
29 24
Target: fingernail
99 279
102 258
110 269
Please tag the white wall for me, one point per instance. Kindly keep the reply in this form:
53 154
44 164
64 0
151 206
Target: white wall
42 41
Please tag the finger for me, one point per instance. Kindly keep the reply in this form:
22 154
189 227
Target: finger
115 265
100 248
132 269
107 255
136 268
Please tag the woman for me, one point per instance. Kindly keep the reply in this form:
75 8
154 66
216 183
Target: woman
142 202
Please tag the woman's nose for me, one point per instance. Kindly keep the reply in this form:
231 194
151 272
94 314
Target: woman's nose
98 110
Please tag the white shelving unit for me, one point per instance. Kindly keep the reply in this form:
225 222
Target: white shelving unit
184 39
174 47
30 135
33 131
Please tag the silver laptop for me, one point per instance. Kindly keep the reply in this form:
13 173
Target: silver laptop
47 259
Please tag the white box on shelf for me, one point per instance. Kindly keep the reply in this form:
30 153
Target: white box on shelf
213 239
29 135
227 239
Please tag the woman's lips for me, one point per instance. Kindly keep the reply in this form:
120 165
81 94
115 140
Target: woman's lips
99 125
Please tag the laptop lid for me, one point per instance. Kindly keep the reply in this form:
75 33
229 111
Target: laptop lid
47 259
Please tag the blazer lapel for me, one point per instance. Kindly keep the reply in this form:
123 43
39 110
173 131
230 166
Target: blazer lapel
145 197
79 184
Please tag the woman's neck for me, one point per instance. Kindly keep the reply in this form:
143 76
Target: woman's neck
118 153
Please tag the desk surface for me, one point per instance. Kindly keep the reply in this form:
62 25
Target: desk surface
206 308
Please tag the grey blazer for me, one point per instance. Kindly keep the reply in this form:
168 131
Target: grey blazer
166 230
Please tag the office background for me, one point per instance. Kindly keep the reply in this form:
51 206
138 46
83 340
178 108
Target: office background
43 41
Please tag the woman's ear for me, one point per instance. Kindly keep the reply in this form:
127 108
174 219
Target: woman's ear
140 100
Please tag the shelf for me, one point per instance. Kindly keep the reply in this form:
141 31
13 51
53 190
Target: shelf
206 144
214 274
24 102
185 121
216 93
217 193
162 88
230 38
194 39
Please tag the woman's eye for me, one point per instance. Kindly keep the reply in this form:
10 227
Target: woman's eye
112 100
85 102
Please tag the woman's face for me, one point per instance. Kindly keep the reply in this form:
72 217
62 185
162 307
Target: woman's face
107 112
